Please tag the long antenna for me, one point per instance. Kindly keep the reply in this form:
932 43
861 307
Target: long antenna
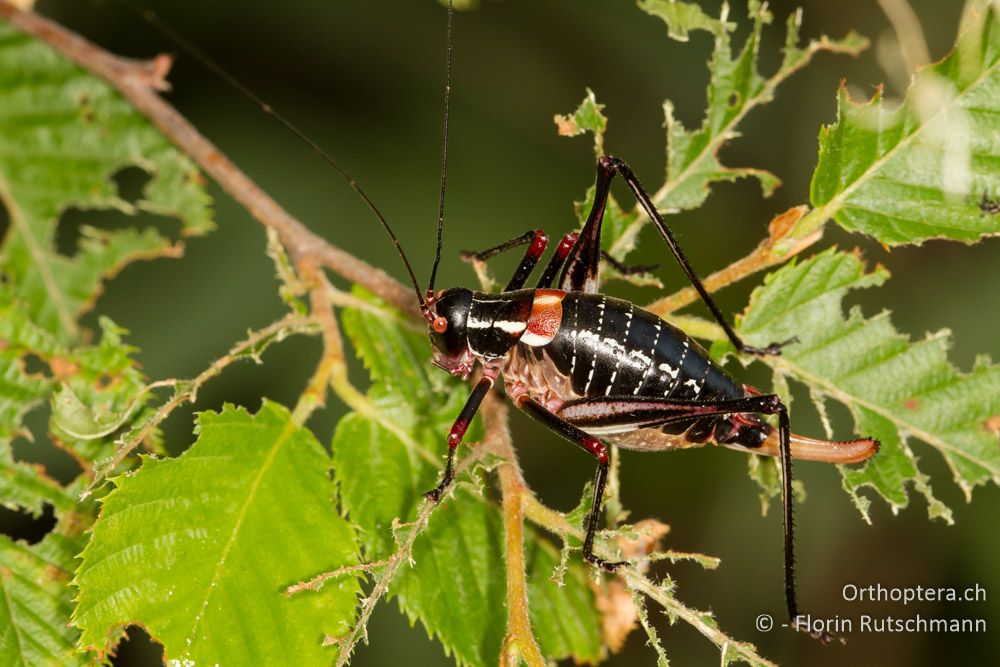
191 49
444 156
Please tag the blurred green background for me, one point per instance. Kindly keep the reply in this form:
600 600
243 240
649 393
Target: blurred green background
365 80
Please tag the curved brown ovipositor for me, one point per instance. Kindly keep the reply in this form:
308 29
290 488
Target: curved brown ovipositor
811 449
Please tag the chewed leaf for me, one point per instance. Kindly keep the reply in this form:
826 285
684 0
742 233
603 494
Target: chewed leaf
682 17
889 472
64 134
185 546
99 388
588 117
736 87
927 168
896 388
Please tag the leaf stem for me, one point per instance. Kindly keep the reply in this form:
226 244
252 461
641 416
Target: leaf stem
556 522
314 395
520 641
789 233
290 324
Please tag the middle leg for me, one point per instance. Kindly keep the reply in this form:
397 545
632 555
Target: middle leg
537 239
596 448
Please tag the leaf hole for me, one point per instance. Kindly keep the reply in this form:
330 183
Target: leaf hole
33 445
32 364
131 182
137 648
734 100
79 227
4 221
23 525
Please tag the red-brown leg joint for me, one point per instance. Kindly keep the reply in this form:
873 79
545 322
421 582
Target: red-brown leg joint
597 448
566 245
538 244
457 432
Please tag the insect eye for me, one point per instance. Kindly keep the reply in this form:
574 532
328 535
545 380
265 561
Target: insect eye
439 325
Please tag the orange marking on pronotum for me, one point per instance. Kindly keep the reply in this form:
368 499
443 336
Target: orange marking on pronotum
545 318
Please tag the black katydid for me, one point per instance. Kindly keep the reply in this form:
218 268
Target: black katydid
593 369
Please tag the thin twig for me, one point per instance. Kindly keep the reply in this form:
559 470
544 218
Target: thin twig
519 643
556 523
317 582
772 250
314 395
392 565
139 82
909 34
290 324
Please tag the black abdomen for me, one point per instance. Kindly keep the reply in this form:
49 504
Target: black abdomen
608 347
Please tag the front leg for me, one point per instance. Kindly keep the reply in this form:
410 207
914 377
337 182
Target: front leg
596 448
457 432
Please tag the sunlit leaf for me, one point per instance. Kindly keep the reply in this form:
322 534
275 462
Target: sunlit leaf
896 389
928 168
199 549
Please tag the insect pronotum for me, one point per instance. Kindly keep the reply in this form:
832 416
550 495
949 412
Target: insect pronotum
594 369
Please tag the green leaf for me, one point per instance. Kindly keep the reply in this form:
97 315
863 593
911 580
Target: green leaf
588 117
682 17
26 487
563 616
735 88
395 354
386 458
199 549
36 597
22 386
927 168
98 384
456 587
895 388
63 134
888 473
